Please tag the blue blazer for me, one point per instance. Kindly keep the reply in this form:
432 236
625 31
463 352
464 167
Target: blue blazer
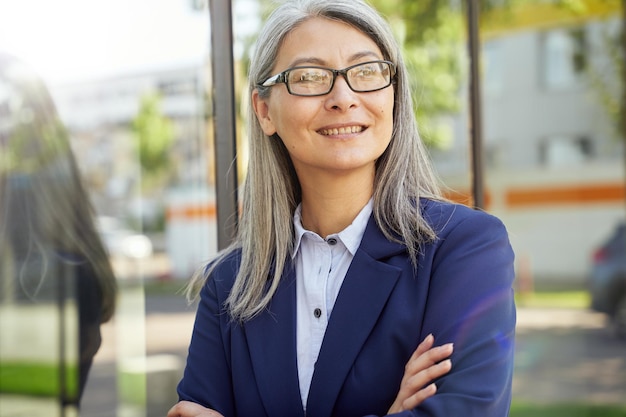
461 292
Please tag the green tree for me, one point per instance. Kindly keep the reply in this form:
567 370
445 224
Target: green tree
433 35
154 136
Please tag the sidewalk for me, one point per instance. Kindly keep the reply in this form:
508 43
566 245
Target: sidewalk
568 355
562 355
557 318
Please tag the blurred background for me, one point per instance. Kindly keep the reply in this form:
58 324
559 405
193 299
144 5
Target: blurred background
132 83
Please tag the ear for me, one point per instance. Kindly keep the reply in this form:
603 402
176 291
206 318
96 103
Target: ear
261 108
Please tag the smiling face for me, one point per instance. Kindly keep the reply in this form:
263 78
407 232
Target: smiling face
337 133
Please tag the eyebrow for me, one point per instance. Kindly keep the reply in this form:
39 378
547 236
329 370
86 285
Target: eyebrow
318 61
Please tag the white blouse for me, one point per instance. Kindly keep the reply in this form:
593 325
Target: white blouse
321 265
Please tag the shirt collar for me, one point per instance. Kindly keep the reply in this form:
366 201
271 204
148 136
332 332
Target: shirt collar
350 236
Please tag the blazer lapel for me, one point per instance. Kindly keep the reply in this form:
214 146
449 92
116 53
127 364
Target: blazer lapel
363 295
271 340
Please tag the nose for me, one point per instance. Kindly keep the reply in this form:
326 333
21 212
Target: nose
341 97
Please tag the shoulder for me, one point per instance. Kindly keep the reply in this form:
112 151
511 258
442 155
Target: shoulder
468 240
226 263
446 217
219 273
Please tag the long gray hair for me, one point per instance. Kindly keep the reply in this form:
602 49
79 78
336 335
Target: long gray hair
272 191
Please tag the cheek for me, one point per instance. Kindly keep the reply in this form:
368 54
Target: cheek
386 115
293 118
387 106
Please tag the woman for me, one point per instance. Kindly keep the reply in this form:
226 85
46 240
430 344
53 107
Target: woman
347 255
50 251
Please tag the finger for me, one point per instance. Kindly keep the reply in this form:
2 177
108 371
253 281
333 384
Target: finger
423 347
422 381
428 358
183 409
419 397
428 375
174 411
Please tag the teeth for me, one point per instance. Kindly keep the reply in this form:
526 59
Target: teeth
341 130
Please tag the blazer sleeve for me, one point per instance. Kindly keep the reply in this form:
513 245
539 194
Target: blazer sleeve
207 377
470 303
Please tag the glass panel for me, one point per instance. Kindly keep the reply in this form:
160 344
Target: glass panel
129 111
559 188
56 283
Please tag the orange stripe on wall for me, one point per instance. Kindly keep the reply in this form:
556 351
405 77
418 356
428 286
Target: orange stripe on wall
573 194
191 212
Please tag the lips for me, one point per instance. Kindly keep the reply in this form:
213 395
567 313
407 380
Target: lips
344 130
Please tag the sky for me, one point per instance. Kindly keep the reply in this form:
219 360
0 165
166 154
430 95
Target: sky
73 40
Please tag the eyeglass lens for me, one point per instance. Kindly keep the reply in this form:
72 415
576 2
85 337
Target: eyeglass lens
369 76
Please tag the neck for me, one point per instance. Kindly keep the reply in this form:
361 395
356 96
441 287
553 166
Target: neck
330 204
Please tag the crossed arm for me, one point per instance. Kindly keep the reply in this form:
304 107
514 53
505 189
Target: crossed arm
425 365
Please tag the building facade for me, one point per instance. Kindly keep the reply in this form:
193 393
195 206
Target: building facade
554 164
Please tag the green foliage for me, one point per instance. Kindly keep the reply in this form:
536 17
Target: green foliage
431 33
132 388
425 17
154 136
561 299
436 72
519 409
433 39
575 6
38 379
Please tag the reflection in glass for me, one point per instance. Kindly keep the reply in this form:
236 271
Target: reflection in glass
56 283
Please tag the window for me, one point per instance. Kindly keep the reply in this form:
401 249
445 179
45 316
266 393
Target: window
564 150
563 58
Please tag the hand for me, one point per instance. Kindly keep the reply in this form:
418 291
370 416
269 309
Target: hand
190 409
425 365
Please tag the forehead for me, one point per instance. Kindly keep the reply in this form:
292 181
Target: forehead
323 41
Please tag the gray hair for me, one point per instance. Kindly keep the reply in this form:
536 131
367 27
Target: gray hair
272 191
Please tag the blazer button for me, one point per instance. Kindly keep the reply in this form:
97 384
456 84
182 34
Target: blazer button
317 313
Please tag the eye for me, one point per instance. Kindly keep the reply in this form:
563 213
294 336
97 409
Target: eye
308 75
366 71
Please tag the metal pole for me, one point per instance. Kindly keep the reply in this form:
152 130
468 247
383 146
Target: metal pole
475 105
223 87
622 116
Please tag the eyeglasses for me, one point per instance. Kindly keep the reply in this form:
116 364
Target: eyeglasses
318 81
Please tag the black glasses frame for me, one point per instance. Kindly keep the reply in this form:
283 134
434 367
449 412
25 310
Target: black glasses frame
282 78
